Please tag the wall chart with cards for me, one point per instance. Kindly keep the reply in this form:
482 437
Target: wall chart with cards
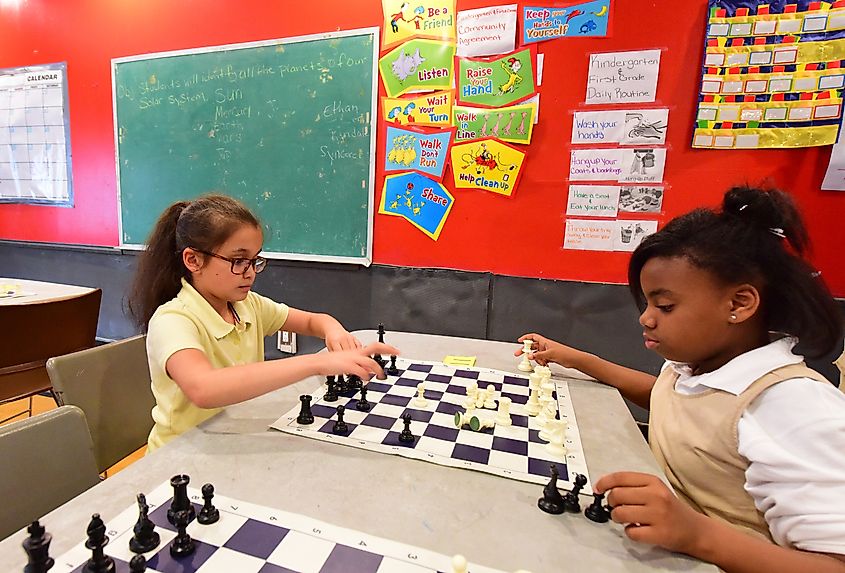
473 418
247 538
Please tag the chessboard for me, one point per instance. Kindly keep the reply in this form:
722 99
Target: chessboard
250 538
514 451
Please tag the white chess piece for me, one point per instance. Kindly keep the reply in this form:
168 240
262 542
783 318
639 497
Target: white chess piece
477 423
544 418
525 365
532 407
490 397
420 401
461 419
503 414
459 564
472 395
557 435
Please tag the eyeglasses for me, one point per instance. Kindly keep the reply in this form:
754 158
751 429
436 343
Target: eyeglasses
239 264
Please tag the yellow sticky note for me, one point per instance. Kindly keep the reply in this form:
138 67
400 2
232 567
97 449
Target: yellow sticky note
459 360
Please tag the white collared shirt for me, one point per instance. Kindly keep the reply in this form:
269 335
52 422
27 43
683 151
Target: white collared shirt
793 436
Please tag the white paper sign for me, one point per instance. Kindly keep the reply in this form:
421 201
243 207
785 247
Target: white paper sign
623 77
487 31
598 126
588 235
593 200
595 164
629 234
642 164
834 177
536 101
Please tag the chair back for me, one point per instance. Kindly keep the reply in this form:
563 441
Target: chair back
48 459
32 333
111 384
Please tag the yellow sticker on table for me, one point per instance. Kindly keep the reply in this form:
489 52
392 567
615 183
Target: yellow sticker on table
431 109
487 164
459 360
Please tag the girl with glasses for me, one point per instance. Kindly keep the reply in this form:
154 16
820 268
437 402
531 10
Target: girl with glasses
205 326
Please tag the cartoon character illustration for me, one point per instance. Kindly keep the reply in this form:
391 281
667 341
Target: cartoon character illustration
407 201
409 109
587 27
642 129
573 14
521 129
400 15
394 114
405 65
601 12
511 67
507 129
483 160
419 16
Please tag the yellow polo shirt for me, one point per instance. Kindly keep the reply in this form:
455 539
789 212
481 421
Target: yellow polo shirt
188 321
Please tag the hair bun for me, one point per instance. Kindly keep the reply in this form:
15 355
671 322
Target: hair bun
772 211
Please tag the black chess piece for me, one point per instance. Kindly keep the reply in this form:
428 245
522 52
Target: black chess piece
405 436
97 541
331 390
37 547
305 416
340 426
363 405
145 538
570 500
595 511
381 333
180 498
379 360
138 564
355 382
208 514
182 545
392 370
552 500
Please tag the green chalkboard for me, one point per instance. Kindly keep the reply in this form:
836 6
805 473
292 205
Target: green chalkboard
286 126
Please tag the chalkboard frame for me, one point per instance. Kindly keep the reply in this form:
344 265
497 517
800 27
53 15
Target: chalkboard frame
367 258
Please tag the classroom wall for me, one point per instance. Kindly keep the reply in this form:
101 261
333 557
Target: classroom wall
519 236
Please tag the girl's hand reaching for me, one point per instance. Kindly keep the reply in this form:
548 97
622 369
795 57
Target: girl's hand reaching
546 350
358 361
340 339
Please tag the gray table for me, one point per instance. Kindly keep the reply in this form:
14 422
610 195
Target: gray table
491 520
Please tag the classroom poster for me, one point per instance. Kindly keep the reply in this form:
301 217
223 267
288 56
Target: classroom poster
540 23
595 164
418 65
593 200
642 164
431 109
626 127
422 19
772 75
498 81
419 200
487 31
487 164
834 176
623 77
417 149
641 198
513 124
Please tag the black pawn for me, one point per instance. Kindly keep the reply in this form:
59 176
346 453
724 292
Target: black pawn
392 370
363 405
137 564
331 391
305 416
355 382
405 436
180 499
552 501
595 512
97 541
37 547
381 333
342 384
208 514
182 545
340 426
570 500
145 537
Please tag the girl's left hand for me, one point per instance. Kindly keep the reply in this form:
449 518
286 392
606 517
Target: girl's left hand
650 511
340 339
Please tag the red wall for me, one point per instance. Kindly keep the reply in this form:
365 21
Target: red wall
521 235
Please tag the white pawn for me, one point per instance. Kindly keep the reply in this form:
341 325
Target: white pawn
557 435
525 365
459 564
503 414
532 407
420 401
461 419
490 397
472 395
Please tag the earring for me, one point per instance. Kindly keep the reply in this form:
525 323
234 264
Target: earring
733 317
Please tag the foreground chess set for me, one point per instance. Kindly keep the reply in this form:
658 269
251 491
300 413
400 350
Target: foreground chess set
170 531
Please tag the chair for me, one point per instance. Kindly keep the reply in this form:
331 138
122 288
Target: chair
48 459
32 333
111 384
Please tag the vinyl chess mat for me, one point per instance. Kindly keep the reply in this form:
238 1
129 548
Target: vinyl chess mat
514 451
251 538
